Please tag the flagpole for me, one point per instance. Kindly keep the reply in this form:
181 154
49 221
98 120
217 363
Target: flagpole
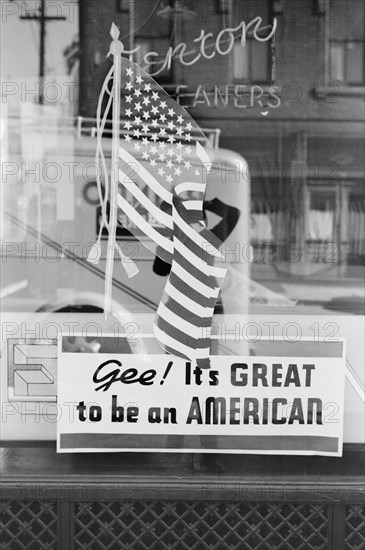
116 49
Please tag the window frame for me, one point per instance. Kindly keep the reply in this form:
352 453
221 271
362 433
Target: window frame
344 42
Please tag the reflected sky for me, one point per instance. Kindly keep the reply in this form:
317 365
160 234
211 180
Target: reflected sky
20 39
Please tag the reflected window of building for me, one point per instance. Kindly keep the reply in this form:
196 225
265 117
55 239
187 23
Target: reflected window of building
251 63
146 45
346 46
123 6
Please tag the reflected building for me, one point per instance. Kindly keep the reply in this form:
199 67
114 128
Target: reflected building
292 106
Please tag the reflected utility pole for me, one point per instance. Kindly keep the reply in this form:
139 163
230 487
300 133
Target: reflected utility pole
42 18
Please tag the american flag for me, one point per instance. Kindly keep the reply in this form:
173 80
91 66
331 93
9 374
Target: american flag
163 163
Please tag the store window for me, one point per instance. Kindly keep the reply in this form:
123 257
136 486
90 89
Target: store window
242 206
292 166
346 43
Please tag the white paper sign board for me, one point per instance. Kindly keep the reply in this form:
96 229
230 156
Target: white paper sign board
268 404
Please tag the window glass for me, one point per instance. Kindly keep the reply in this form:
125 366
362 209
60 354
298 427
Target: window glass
285 192
240 62
153 64
50 195
250 10
144 46
337 61
347 29
355 59
250 63
259 61
346 21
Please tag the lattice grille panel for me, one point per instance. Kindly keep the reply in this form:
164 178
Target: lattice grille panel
355 527
197 525
30 525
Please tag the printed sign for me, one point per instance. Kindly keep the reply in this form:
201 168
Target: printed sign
270 403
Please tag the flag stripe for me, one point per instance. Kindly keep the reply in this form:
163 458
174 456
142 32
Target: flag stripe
190 186
163 193
205 290
186 302
204 236
173 344
191 233
201 253
173 351
203 157
180 336
184 313
196 272
181 321
197 261
139 195
144 226
194 205
187 290
200 239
